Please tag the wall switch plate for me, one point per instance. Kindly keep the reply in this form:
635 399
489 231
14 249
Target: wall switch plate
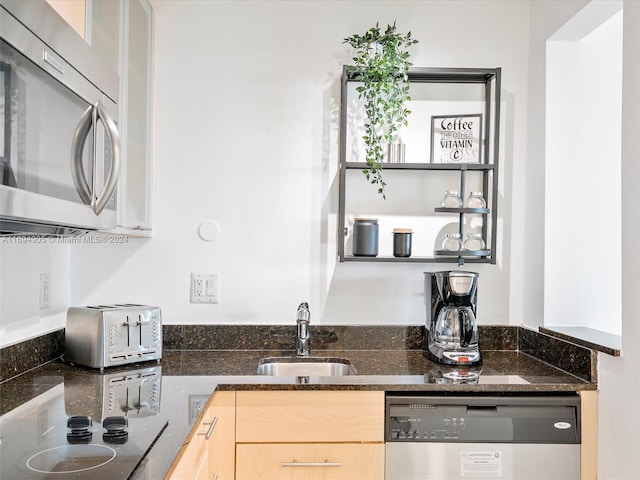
205 288
44 290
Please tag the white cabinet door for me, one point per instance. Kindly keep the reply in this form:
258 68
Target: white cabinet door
135 118
104 31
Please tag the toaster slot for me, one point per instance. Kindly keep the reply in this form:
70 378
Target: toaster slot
135 331
133 356
128 324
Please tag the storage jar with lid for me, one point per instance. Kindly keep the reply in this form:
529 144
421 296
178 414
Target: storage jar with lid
365 237
402 242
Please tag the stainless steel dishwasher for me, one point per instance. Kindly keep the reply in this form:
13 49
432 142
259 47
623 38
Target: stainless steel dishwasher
444 437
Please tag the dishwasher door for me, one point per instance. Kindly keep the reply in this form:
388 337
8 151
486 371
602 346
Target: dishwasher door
479 437
467 461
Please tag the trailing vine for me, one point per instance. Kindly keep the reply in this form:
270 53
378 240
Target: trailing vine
382 64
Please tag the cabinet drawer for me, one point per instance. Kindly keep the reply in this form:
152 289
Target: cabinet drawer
310 461
302 416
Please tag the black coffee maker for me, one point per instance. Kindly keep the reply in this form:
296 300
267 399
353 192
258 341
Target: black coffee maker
452 333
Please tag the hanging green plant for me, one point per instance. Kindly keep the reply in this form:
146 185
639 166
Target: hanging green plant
382 65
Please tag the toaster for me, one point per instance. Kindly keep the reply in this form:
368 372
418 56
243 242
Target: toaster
109 335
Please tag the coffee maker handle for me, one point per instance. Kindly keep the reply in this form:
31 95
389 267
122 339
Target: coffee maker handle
466 328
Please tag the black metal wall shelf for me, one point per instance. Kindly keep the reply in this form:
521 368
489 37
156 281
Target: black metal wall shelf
447 257
424 166
490 80
477 211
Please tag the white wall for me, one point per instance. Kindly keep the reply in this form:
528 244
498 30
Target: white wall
246 98
618 431
21 263
246 101
582 170
245 134
546 17
618 377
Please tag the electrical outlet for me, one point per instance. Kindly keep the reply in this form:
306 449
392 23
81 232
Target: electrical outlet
205 288
196 405
44 290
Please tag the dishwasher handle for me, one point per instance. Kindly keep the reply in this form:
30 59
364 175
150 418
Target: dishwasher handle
482 410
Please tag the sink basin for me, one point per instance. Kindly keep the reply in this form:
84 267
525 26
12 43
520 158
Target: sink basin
305 367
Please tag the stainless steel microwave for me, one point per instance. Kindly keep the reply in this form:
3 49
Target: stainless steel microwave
59 146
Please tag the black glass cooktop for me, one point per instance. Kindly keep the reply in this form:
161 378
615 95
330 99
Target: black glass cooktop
41 440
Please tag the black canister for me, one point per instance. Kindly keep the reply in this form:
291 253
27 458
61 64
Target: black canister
365 237
402 242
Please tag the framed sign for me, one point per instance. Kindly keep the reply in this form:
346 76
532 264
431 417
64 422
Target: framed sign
456 138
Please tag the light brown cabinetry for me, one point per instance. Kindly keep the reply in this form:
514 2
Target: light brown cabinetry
303 416
348 461
310 435
209 452
222 442
193 460
589 435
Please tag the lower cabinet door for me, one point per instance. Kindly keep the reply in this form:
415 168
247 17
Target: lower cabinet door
222 441
317 461
193 463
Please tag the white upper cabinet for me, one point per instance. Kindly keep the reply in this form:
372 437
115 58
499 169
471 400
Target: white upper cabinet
103 30
135 118
120 34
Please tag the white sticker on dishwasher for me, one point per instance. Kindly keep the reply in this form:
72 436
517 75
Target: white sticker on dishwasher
481 464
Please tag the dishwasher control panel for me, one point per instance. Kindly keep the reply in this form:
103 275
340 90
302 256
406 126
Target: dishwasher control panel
483 418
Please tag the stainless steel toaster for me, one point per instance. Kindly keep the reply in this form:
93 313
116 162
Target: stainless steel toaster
108 335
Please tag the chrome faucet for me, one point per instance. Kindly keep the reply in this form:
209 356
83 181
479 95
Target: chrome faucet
303 331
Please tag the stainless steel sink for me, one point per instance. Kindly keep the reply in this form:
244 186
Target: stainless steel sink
305 367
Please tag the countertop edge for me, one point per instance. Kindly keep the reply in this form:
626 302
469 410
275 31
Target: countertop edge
365 382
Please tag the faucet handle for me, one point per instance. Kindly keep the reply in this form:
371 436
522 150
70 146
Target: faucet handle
303 312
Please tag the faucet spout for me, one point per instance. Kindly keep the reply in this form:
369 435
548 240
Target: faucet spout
303 331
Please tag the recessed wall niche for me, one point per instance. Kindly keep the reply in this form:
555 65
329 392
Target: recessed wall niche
582 278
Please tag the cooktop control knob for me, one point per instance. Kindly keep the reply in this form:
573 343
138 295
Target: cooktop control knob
79 426
115 430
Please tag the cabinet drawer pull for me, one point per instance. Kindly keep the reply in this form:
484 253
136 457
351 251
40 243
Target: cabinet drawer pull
326 463
215 476
212 425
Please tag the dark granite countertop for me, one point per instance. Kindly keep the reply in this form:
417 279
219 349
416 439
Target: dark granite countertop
186 373
198 359
389 370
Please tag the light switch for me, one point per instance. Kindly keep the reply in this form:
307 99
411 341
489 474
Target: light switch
44 291
212 285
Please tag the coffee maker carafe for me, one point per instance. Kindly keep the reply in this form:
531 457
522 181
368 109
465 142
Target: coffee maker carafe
452 333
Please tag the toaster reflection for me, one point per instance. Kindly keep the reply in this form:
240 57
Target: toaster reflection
128 393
